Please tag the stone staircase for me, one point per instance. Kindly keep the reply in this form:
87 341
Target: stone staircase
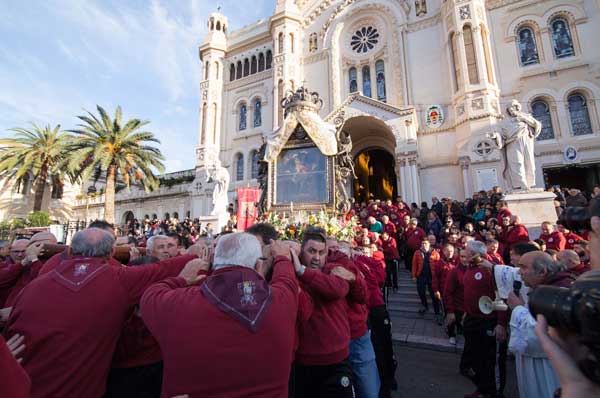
411 328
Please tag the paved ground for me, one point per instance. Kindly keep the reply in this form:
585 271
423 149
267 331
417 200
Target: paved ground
424 373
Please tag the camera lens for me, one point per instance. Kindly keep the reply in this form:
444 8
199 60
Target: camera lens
556 304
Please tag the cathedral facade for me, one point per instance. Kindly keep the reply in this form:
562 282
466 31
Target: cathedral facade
418 85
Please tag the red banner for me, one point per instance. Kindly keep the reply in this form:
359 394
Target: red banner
247 211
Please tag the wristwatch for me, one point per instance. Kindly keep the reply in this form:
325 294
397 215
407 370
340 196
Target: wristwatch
300 272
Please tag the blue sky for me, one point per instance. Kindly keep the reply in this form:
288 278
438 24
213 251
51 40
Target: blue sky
59 57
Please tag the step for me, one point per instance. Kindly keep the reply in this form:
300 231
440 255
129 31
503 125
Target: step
431 343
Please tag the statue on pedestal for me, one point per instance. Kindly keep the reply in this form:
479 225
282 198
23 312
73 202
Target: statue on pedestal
516 141
262 177
220 176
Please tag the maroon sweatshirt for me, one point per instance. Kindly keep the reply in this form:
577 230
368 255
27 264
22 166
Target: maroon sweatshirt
440 270
325 337
213 346
571 239
478 282
453 293
9 274
71 318
14 382
27 274
136 346
374 272
390 249
358 296
555 241
414 237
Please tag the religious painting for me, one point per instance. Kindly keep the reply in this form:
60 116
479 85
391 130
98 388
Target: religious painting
561 38
301 176
527 48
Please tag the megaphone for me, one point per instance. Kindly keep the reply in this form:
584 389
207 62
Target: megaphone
487 305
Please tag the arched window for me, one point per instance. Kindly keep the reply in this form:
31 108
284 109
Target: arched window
366 77
279 98
541 111
231 72
218 28
561 38
167 216
261 62
280 43
470 54
204 119
269 60
453 60
254 166
239 167
206 70
580 115
257 113
239 70
253 65
486 53
176 214
352 79
216 70
243 116
292 44
246 67
528 53
380 73
214 126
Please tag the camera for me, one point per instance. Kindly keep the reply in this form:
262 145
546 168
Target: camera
578 218
575 310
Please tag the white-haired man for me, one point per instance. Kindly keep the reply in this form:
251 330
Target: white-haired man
236 331
481 330
162 247
72 316
535 376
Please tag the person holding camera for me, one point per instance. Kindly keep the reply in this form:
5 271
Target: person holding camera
535 375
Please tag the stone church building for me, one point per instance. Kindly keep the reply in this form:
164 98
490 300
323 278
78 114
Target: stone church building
418 85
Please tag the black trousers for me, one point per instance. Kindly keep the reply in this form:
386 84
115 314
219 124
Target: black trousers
391 273
381 338
408 256
328 381
424 283
480 352
139 382
501 367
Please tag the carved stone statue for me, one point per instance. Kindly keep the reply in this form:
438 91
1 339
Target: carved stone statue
420 7
516 140
344 170
220 176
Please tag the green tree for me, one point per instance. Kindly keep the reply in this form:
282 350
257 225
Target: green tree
38 219
107 147
36 151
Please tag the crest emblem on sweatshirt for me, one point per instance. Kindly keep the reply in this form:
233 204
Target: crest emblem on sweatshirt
478 276
550 240
247 289
345 381
80 269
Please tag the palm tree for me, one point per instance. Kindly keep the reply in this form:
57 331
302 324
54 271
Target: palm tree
115 150
37 152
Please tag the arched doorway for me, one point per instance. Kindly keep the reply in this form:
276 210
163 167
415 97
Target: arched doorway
376 177
373 147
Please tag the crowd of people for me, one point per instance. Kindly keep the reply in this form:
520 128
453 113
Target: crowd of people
243 314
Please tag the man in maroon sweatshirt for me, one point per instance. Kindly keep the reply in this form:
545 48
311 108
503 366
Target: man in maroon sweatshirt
481 330
322 365
233 336
362 354
11 268
72 316
555 240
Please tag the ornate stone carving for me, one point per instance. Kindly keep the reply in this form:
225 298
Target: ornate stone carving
477 103
464 12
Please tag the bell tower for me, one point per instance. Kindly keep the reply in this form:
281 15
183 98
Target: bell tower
286 33
212 53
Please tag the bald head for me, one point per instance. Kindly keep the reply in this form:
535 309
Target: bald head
43 237
568 259
93 242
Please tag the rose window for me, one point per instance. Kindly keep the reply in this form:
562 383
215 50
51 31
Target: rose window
364 39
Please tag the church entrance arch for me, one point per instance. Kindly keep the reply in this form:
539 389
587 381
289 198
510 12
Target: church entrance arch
374 162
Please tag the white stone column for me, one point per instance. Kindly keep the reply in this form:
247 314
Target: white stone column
404 179
478 45
275 105
462 55
464 165
415 181
400 181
